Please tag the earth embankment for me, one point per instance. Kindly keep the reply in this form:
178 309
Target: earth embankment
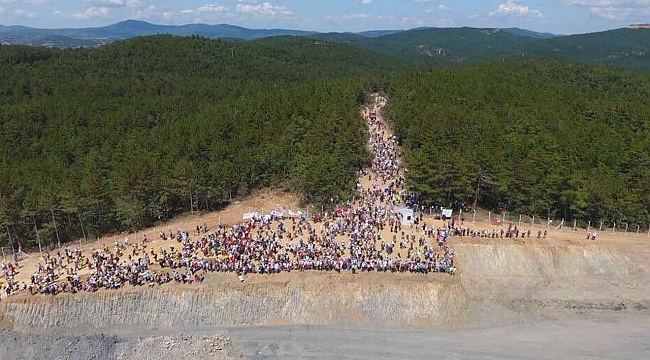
498 282
548 280
304 298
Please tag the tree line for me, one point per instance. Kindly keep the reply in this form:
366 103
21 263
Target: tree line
535 137
101 140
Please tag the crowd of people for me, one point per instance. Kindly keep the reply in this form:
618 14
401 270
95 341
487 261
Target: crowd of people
364 235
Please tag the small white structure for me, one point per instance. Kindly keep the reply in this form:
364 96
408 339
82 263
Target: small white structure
408 218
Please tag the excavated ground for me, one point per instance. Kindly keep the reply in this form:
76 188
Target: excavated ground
559 297
510 301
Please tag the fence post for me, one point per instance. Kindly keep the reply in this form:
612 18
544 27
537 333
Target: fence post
532 222
625 228
614 228
588 225
489 216
519 220
504 218
574 224
601 227
474 216
638 227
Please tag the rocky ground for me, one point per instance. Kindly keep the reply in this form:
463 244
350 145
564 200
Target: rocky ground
55 346
606 335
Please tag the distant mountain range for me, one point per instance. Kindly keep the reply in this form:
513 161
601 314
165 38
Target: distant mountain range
626 48
96 36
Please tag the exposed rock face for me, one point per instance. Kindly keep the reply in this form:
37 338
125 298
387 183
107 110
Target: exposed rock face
497 284
520 278
411 303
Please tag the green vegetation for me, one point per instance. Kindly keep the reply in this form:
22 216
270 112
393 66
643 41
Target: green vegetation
625 48
121 136
117 137
540 138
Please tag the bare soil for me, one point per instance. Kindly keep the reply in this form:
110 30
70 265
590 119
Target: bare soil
526 298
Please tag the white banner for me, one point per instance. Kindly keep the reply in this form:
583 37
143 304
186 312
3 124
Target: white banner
249 216
277 213
447 212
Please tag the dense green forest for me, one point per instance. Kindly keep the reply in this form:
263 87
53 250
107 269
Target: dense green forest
120 136
539 138
624 48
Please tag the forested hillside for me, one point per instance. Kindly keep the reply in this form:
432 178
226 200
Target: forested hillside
540 138
625 48
121 136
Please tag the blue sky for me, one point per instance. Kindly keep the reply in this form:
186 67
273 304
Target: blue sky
557 16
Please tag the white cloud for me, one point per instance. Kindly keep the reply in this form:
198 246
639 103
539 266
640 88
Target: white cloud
263 9
37 2
206 9
514 8
384 20
93 12
422 1
135 3
611 13
24 13
437 9
2 10
146 13
615 9
106 3
366 2
349 17
611 3
102 9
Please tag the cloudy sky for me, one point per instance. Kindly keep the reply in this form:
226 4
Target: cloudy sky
557 16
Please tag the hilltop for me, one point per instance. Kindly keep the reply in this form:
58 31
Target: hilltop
625 48
95 36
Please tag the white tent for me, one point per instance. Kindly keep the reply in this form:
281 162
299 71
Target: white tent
408 218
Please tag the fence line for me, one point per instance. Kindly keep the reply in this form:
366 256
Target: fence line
470 219
505 219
